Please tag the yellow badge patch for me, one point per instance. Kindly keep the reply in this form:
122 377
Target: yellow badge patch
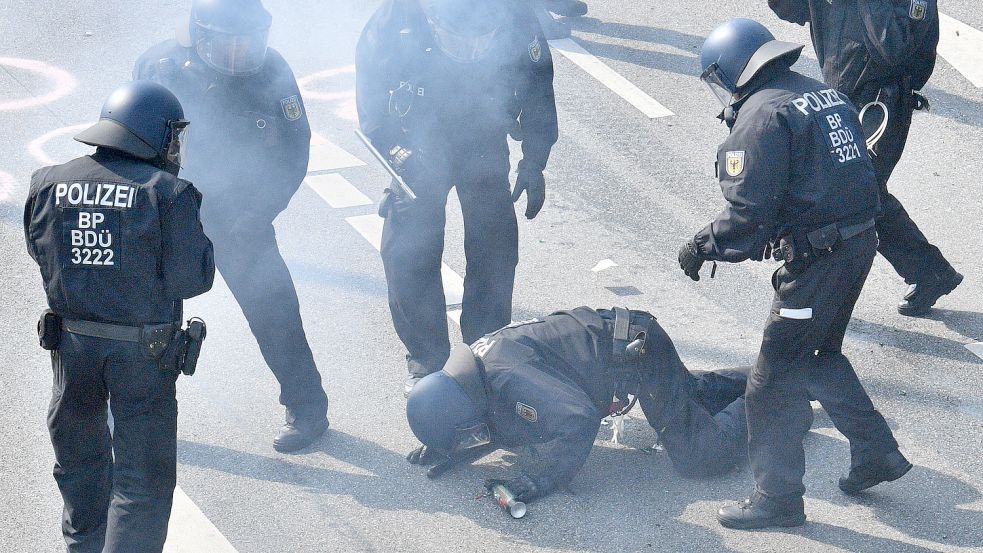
918 9
291 108
535 50
526 412
735 163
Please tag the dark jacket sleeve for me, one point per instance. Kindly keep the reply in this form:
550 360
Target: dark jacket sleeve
568 424
29 215
793 11
890 35
537 104
289 160
762 142
187 259
372 79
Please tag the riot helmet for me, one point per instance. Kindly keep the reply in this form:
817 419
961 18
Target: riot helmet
143 119
465 30
446 409
230 36
738 50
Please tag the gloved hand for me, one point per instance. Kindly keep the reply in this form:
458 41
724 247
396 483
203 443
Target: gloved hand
407 163
424 456
690 260
532 181
523 487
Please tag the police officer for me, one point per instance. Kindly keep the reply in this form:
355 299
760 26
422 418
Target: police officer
117 237
878 53
248 152
552 380
440 85
798 180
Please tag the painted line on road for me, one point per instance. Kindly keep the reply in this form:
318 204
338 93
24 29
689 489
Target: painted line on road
7 184
190 531
63 82
962 46
610 78
337 191
976 348
36 147
327 156
370 227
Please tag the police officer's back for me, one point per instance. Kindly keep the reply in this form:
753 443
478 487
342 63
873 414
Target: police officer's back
798 181
249 153
117 237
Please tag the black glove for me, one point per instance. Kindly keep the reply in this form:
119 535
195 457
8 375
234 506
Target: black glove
523 487
424 456
532 181
690 260
407 163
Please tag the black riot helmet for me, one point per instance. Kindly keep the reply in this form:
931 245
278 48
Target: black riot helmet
465 30
738 50
143 119
446 410
230 36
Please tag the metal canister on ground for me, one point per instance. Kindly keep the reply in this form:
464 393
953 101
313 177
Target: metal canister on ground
506 500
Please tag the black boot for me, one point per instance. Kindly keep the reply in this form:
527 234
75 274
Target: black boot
752 515
566 8
416 372
891 467
921 296
300 431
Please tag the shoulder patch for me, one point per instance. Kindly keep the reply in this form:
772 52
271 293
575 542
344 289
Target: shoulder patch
535 50
735 163
918 10
525 411
291 108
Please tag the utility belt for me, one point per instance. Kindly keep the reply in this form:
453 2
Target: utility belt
175 348
628 341
805 247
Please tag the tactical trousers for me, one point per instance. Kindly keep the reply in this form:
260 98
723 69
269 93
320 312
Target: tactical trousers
901 242
413 244
247 256
801 359
117 488
700 417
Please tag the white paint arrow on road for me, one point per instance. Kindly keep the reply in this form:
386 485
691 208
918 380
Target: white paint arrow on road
962 46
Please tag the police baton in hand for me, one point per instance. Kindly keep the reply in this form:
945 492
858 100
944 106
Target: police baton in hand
404 190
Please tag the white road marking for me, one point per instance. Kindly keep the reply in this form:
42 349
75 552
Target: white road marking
62 80
976 348
610 78
337 191
370 227
190 531
327 156
962 46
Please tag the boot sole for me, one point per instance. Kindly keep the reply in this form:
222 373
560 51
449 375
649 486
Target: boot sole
923 310
851 490
292 447
777 522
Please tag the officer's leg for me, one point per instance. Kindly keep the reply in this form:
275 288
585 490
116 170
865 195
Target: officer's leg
250 263
77 421
144 407
715 390
901 242
667 387
834 383
701 444
412 246
491 245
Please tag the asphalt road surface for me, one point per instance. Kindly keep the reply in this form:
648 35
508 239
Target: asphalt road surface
623 187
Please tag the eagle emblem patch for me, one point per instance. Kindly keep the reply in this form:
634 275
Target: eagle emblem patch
735 163
291 108
918 9
526 412
535 50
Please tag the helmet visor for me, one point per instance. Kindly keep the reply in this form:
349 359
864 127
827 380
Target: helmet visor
717 84
233 54
175 141
471 437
